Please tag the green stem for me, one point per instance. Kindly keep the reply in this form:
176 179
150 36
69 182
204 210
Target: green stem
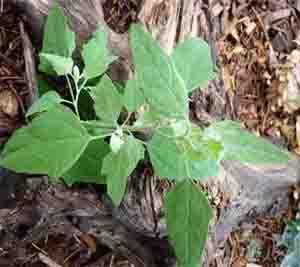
78 91
100 124
72 95
100 136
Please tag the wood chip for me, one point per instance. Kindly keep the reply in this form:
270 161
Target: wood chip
279 14
216 10
9 103
46 260
250 27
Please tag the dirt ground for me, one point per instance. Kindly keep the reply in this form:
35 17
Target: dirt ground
255 64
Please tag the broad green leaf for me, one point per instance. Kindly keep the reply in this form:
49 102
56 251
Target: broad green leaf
88 167
184 158
156 74
94 129
108 101
291 260
44 86
47 101
133 96
188 214
51 144
58 38
61 65
180 128
243 146
193 62
96 56
118 166
146 116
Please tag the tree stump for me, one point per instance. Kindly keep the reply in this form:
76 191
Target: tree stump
251 188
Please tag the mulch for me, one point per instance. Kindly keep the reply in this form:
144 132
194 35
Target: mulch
12 69
258 55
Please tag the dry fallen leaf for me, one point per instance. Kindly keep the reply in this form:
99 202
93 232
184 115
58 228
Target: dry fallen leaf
290 82
9 104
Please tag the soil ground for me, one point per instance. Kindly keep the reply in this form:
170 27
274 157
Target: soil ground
253 80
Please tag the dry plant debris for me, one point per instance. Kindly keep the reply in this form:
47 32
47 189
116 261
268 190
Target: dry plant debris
12 81
259 63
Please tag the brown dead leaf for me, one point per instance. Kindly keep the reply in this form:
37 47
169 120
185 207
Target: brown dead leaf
89 241
216 10
250 26
231 29
228 79
9 104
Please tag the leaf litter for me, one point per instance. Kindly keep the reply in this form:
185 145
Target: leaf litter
259 54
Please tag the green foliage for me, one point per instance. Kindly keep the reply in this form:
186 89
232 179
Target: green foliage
51 144
88 167
60 65
108 102
96 56
117 166
187 157
58 39
133 96
187 221
245 147
157 75
97 139
291 240
199 69
47 101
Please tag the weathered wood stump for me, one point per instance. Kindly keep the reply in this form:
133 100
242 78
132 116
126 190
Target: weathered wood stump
252 188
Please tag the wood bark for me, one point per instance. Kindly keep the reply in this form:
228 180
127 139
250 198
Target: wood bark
252 188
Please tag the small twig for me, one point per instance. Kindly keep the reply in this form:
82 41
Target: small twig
71 255
111 260
38 248
46 260
10 63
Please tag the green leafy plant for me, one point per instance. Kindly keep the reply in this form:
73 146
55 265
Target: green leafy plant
61 143
291 240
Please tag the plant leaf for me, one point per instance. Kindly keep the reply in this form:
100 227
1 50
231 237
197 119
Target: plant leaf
96 56
94 129
46 102
175 158
44 86
51 144
88 167
196 71
118 166
61 65
243 146
58 38
188 214
291 260
156 74
108 101
146 116
133 96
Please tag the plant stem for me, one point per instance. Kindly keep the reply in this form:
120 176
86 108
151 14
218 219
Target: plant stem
100 124
78 89
100 136
72 95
